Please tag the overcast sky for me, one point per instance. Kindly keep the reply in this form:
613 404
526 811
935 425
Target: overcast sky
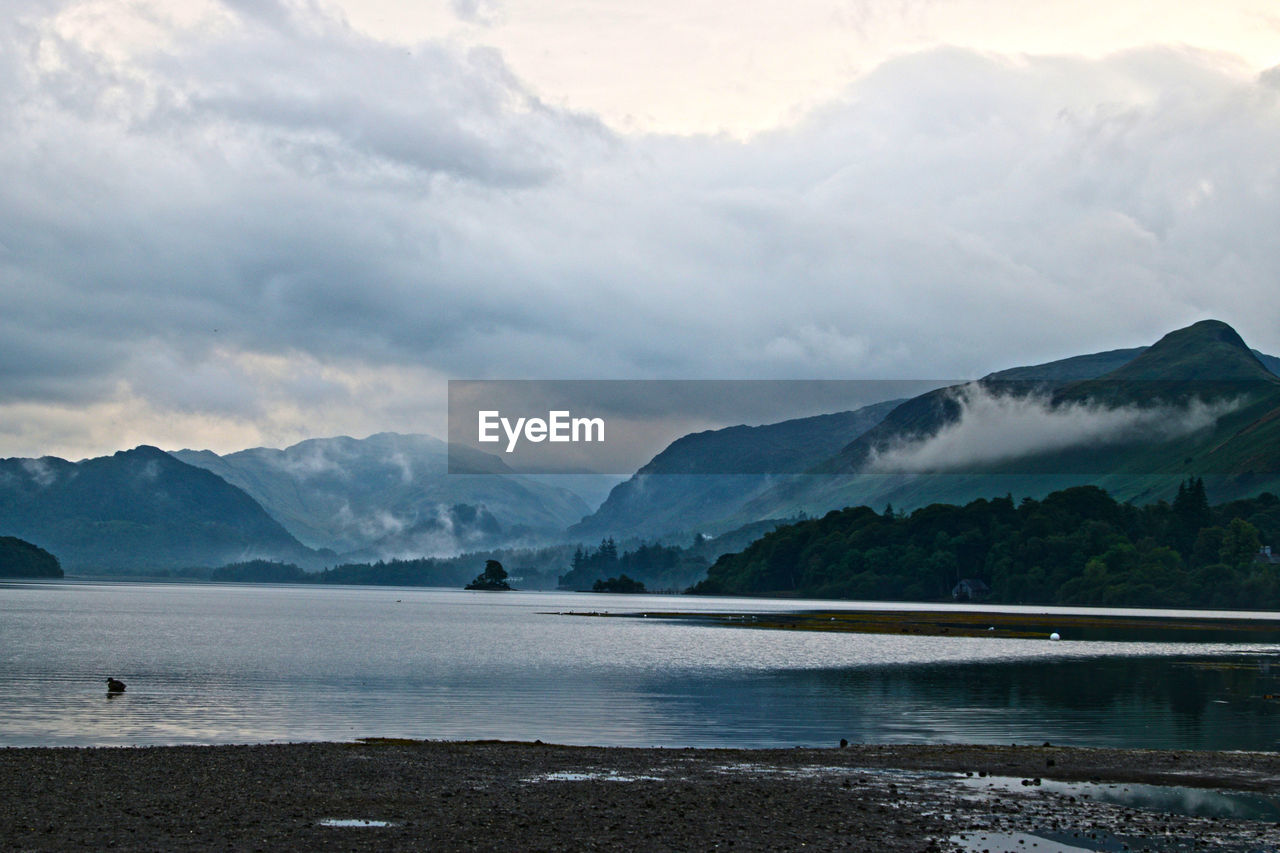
226 224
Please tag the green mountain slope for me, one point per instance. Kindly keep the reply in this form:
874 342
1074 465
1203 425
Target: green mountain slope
1208 350
1093 365
1205 362
1207 358
139 509
686 487
1073 369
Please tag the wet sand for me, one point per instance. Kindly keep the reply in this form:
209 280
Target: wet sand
520 796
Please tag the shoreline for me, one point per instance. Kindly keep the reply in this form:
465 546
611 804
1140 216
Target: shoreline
971 622
456 795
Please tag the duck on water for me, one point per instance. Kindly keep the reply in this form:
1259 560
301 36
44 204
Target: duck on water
115 685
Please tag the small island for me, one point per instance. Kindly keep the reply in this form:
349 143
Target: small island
20 559
494 577
622 583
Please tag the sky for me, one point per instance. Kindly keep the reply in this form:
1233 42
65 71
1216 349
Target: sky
229 223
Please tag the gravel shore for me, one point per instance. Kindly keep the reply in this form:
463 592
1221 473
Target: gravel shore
520 796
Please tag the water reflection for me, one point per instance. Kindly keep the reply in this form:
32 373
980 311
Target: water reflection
1176 703
219 664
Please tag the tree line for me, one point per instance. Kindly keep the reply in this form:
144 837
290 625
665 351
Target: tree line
1078 546
657 565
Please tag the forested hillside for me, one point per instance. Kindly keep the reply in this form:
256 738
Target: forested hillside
1077 546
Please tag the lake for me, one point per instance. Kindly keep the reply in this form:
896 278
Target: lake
209 663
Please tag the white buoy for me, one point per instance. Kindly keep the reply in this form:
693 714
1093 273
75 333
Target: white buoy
1054 636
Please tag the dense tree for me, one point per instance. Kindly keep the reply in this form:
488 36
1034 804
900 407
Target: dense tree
21 559
1190 513
622 583
260 571
1077 546
663 566
494 577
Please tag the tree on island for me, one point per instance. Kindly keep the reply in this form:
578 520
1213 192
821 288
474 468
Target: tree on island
621 583
260 571
493 577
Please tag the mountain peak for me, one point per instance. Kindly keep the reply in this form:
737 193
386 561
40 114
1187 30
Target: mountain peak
142 451
1208 350
1215 329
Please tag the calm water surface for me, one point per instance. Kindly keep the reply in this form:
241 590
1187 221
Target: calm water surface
258 663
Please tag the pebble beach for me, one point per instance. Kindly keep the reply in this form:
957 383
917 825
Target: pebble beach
434 795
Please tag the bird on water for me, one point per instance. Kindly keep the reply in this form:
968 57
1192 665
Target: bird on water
115 685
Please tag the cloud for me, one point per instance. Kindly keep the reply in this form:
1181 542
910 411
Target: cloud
405 465
246 188
483 12
311 461
993 428
40 472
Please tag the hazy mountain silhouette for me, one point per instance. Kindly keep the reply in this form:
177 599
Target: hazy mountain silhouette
138 509
391 495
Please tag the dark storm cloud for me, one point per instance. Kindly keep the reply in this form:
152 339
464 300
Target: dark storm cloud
284 186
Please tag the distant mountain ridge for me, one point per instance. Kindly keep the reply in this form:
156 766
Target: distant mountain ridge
1207 360
138 509
1207 357
685 487
391 495
1093 365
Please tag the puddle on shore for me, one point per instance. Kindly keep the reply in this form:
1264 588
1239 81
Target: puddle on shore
1049 842
989 842
806 771
591 776
348 821
1170 799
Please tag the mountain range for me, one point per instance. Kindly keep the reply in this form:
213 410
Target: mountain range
391 495
317 503
971 435
684 488
138 509
1134 421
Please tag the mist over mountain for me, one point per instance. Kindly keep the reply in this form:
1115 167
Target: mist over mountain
137 510
1184 384
391 495
685 488
1198 401
1135 421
